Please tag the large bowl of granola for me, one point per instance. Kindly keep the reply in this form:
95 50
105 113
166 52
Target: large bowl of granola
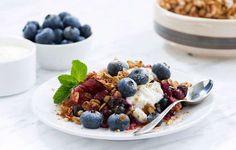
202 27
114 102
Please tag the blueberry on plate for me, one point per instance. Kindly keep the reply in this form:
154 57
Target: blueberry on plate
162 71
127 87
153 116
46 36
66 41
163 103
62 15
91 119
72 34
115 66
85 30
118 122
53 22
30 30
71 21
140 76
58 36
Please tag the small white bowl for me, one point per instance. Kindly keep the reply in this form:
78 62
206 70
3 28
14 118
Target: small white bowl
17 72
59 57
201 36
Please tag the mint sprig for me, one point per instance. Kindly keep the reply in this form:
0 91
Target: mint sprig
68 82
81 73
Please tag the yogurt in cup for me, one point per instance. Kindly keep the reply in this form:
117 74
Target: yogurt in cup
17 65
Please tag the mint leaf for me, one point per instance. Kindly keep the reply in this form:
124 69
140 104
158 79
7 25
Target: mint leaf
79 70
61 94
67 80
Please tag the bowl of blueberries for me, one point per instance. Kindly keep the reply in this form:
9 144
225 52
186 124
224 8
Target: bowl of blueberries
59 40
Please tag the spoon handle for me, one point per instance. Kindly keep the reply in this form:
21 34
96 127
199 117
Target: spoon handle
152 124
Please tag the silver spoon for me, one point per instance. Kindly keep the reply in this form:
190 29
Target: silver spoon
196 94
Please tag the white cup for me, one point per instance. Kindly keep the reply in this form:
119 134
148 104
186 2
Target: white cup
17 72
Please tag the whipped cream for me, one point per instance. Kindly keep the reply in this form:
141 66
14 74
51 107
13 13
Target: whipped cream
150 94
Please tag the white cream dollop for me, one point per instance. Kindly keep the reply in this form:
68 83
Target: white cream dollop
149 93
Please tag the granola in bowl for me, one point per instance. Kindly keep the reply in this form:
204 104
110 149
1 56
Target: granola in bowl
124 96
214 9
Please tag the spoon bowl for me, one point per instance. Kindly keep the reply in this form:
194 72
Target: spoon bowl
198 92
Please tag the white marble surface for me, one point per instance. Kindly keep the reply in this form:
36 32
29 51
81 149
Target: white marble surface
122 29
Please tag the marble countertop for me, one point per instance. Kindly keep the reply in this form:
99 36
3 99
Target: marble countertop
122 29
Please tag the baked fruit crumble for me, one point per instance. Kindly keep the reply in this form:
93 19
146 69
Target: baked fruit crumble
124 96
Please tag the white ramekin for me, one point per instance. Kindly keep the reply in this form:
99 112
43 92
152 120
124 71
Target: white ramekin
19 74
59 57
202 36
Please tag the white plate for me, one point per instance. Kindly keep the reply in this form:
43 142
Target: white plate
45 109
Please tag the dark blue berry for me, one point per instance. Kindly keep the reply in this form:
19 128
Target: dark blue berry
81 38
127 87
53 22
62 15
162 71
118 122
163 103
153 116
115 66
140 76
58 36
71 21
29 31
46 36
91 120
119 109
85 30
72 34
66 42
34 22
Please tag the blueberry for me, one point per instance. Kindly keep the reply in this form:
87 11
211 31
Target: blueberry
118 122
46 36
62 15
91 119
119 109
162 71
34 22
66 42
140 76
115 66
85 30
72 34
58 36
29 31
127 87
71 21
163 103
151 117
53 22
81 38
